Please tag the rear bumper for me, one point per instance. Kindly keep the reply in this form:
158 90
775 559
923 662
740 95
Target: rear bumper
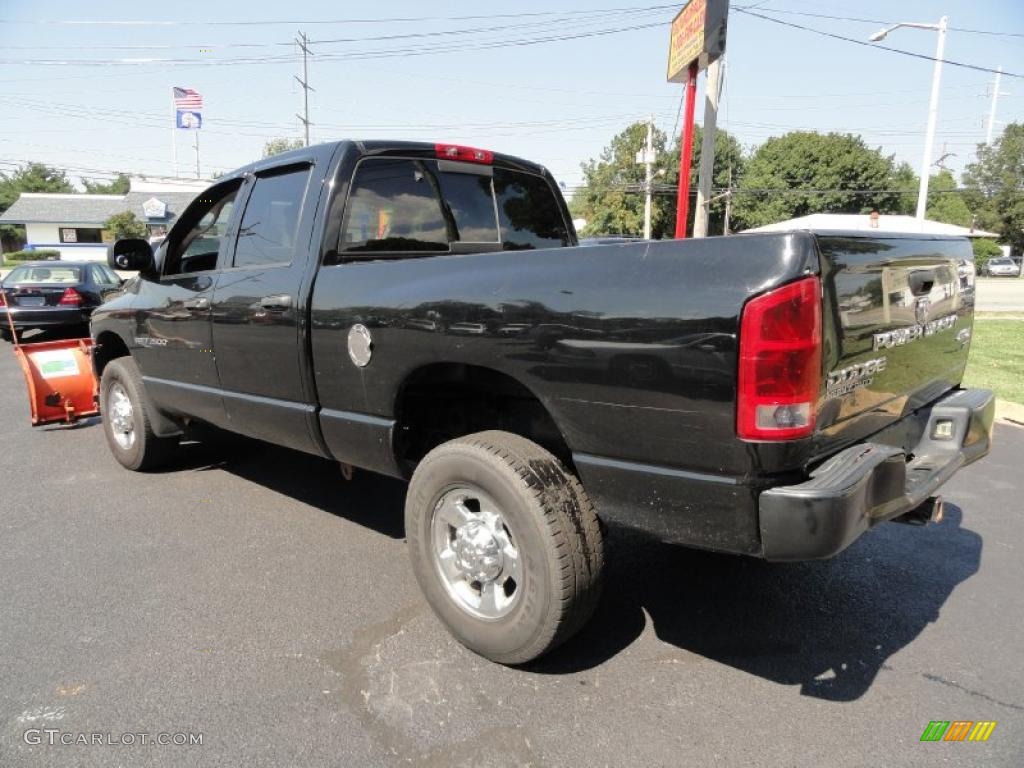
48 317
871 482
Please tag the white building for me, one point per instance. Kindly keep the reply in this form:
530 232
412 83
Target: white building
73 223
871 223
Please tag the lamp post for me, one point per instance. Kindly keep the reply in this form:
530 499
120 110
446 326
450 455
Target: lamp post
933 104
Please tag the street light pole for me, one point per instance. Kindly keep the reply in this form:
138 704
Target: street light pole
933 114
933 104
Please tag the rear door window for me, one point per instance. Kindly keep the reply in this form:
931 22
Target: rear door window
270 221
99 275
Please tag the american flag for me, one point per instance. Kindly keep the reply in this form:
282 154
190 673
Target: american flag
186 98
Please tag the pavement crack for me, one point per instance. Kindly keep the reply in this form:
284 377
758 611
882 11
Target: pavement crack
978 694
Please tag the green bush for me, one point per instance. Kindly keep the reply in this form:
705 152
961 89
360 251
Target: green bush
125 225
40 255
983 251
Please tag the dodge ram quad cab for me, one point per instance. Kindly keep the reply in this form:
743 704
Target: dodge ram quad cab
424 311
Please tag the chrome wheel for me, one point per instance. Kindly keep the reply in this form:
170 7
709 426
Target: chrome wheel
121 416
475 553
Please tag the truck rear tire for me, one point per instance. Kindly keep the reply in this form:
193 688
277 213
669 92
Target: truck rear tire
505 544
125 406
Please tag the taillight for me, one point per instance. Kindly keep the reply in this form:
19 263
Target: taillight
3 298
780 363
464 154
70 298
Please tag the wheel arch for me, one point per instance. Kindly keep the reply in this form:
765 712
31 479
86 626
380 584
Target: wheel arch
109 346
440 401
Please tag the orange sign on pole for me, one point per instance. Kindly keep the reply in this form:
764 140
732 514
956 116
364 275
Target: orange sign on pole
697 38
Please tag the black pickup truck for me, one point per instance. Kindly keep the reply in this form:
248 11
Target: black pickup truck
423 311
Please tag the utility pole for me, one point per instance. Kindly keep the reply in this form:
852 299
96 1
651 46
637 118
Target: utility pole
303 43
992 110
728 204
707 148
646 156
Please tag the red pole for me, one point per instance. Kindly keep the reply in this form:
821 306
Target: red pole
686 155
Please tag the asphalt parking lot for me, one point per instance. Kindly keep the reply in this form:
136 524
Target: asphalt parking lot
251 595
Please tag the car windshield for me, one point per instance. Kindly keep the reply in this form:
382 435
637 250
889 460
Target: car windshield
38 275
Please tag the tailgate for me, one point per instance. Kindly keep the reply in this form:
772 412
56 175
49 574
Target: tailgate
896 328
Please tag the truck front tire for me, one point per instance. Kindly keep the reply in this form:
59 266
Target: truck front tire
125 406
505 545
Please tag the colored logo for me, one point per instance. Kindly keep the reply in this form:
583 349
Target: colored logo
958 730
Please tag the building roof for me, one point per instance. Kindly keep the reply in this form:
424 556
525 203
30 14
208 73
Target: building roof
49 208
862 221
176 203
94 210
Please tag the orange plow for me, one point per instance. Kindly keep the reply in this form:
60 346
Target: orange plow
60 380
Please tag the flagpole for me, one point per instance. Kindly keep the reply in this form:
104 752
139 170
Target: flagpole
174 134
198 176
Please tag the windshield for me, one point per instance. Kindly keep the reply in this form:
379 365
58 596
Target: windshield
33 275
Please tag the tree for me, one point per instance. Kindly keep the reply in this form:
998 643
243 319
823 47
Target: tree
805 172
984 249
34 177
905 183
995 186
612 200
945 202
125 225
118 186
726 173
279 145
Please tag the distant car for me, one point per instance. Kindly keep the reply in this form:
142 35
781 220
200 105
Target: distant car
1002 268
54 295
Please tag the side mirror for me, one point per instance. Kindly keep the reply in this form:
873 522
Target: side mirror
132 254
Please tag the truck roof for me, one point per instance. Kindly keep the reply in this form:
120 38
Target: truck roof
381 147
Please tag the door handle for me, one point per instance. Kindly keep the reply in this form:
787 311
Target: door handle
278 303
199 303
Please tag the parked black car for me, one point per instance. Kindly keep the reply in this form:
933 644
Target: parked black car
422 311
54 295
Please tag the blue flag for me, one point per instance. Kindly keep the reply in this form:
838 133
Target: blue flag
189 119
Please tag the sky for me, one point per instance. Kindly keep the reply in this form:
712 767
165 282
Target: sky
95 97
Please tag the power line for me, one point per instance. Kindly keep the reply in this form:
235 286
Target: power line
867 44
595 19
861 20
307 22
352 55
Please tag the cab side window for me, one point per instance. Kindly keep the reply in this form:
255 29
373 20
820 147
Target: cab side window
195 240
